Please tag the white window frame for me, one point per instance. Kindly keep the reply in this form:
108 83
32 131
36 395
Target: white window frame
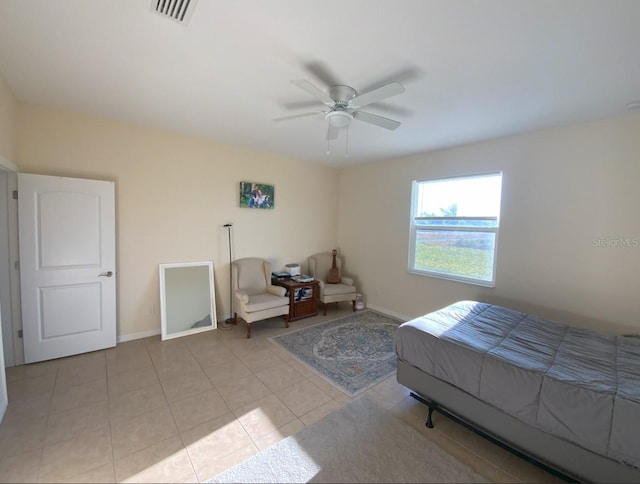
414 230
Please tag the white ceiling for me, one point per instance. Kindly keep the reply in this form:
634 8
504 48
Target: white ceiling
473 69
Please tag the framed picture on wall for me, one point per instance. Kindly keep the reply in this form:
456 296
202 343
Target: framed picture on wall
256 195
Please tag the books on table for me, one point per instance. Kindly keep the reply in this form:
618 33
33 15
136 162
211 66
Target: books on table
303 278
281 275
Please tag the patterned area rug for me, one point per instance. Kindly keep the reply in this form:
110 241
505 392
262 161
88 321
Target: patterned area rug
354 353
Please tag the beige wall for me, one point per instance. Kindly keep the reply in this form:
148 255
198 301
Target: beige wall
174 194
8 106
561 189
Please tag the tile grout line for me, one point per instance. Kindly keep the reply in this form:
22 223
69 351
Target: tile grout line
46 425
173 418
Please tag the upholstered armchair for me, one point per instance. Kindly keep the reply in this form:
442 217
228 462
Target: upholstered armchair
255 298
319 266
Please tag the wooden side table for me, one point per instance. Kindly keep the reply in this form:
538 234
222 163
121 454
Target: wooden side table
303 297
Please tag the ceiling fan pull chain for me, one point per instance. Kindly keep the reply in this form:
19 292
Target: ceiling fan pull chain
328 151
346 146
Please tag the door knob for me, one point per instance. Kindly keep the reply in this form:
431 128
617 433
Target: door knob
106 274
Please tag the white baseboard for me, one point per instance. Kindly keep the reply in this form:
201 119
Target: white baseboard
153 332
390 312
142 334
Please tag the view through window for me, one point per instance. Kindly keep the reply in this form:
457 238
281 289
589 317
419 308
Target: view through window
454 228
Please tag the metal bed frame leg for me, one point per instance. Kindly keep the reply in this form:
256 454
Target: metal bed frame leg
432 406
532 460
429 423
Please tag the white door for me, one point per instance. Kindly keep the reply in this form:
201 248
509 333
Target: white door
67 265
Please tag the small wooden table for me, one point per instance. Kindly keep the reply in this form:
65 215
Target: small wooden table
303 297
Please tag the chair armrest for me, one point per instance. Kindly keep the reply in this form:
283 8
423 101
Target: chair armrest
320 284
346 280
276 290
243 296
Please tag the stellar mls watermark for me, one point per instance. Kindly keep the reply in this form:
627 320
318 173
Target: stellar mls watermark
615 242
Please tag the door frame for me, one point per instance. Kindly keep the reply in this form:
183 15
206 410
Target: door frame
14 257
14 280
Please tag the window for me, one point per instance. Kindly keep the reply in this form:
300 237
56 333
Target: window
454 228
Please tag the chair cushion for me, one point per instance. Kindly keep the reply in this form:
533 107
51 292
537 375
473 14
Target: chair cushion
334 289
260 302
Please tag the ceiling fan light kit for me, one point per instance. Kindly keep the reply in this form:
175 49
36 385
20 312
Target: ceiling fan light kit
339 119
343 103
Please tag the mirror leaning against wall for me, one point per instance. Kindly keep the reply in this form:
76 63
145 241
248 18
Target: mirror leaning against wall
187 300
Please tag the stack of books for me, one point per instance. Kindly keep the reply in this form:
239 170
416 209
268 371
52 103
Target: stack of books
281 275
303 278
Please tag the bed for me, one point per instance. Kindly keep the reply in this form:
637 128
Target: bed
567 397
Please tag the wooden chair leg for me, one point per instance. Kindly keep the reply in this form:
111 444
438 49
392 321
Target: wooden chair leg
325 309
235 319
286 320
354 305
248 330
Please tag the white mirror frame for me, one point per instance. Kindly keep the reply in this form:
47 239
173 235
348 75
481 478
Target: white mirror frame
166 330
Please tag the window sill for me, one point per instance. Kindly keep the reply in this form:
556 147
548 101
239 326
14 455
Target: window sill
447 277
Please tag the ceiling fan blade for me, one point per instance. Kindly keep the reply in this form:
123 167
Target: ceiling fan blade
388 108
403 76
322 73
332 132
301 115
314 91
377 120
311 104
379 94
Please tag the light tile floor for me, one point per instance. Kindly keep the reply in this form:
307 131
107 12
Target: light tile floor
186 409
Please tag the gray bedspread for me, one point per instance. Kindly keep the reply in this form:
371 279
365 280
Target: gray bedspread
574 383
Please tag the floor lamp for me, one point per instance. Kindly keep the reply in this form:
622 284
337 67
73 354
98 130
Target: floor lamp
229 320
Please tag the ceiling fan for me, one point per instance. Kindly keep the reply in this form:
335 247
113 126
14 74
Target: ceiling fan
344 103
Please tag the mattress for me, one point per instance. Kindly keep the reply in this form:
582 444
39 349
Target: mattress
576 384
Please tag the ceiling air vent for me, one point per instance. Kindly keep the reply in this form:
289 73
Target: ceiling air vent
178 10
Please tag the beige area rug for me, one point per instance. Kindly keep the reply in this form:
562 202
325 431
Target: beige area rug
361 442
